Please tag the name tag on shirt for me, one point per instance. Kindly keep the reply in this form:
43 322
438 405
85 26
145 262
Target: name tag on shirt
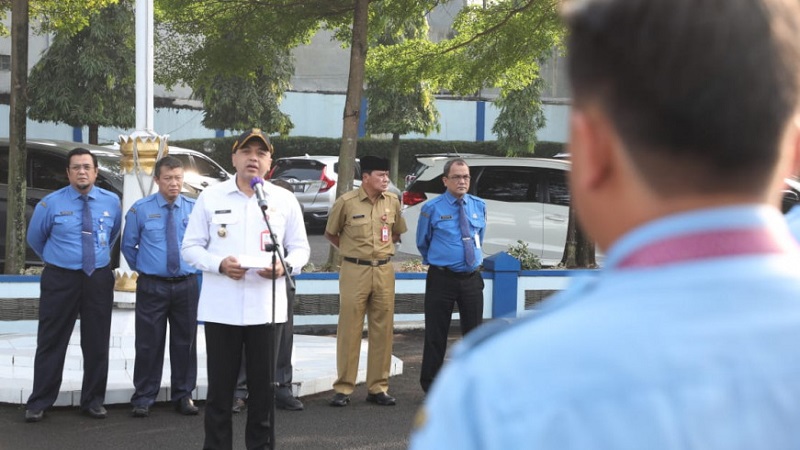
446 217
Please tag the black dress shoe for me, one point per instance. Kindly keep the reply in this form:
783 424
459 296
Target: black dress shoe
284 399
140 411
96 412
33 415
381 398
186 407
340 400
289 403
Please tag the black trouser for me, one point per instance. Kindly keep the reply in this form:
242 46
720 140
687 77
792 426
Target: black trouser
159 301
285 334
224 345
64 295
443 289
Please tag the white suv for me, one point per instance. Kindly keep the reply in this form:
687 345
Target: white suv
527 199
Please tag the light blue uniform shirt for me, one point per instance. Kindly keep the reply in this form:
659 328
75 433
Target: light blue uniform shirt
54 231
439 234
699 354
144 241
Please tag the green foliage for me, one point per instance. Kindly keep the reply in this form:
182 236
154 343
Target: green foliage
393 109
527 259
88 78
413 265
234 56
207 38
66 16
496 46
521 116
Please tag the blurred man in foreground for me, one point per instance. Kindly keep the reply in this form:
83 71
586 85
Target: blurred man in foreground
684 123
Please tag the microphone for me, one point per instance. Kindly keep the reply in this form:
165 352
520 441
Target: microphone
257 184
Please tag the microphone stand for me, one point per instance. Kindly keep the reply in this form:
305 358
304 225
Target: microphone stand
271 332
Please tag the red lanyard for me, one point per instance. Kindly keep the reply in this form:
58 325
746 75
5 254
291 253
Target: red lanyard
705 245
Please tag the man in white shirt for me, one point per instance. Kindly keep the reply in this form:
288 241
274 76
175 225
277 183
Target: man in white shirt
225 238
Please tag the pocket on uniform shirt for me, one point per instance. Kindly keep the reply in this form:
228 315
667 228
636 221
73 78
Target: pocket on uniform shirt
156 230
64 220
223 221
477 222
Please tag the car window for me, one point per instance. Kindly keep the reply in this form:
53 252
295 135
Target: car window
508 184
556 187
297 169
185 159
356 170
207 169
47 172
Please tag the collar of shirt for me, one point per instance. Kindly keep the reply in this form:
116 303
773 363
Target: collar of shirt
451 199
699 221
362 194
162 202
77 195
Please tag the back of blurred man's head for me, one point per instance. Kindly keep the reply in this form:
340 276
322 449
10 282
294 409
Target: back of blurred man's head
700 92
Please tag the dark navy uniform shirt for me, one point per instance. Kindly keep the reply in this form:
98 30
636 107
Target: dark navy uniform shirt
144 242
439 234
54 232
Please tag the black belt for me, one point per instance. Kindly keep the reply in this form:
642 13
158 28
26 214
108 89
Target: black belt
367 262
453 274
168 279
97 269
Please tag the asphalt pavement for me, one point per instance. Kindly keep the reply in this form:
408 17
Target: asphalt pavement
360 425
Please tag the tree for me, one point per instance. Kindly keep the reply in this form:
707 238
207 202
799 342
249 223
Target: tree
395 110
87 78
521 116
498 45
236 96
15 217
54 15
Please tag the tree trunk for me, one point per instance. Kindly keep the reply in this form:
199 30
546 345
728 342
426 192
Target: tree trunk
579 250
569 260
394 159
93 138
585 250
352 105
15 219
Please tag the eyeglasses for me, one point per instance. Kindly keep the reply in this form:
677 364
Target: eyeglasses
78 168
459 177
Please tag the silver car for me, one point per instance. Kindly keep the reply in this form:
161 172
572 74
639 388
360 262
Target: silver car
313 179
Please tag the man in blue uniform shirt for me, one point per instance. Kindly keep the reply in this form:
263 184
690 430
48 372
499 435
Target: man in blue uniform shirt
166 290
449 236
682 128
73 230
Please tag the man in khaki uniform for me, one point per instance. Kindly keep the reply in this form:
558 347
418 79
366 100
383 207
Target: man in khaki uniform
364 224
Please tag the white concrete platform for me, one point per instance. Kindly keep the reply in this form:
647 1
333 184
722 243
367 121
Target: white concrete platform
314 360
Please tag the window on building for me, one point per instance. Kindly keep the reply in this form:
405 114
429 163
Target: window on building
5 62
